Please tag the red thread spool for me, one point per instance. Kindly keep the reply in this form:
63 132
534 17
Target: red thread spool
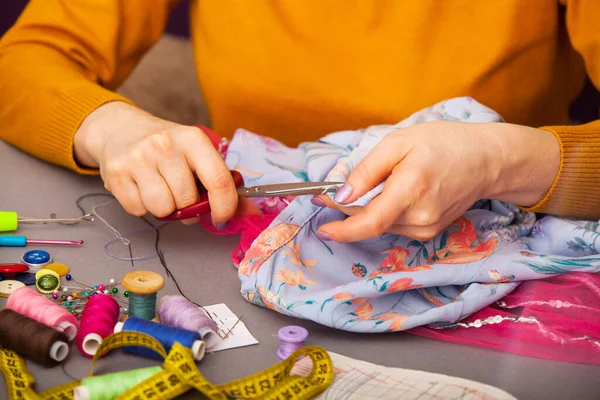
98 320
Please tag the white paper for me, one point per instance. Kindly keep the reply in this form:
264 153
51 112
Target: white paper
355 379
239 336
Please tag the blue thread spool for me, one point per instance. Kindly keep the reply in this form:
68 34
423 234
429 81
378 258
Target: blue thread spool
291 338
142 287
166 335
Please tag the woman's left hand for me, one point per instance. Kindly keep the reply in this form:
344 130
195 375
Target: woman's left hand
435 171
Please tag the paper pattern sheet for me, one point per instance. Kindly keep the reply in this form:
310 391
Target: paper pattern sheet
355 379
231 327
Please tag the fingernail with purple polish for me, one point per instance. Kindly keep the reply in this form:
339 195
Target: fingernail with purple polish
342 193
323 236
221 226
317 202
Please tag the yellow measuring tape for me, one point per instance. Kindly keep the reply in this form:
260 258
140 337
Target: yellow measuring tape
180 375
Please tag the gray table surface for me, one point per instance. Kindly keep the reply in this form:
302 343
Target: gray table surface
201 264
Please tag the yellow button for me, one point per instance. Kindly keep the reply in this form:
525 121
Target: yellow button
60 269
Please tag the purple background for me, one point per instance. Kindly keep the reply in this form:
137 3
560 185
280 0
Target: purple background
585 108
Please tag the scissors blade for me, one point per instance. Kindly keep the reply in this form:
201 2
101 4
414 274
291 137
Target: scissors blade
289 189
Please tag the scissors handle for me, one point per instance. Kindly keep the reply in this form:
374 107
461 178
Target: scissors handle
202 206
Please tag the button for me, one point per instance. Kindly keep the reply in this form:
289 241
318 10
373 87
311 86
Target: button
47 281
27 278
60 269
9 286
36 258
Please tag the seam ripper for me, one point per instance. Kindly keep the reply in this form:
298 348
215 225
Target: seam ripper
9 220
22 241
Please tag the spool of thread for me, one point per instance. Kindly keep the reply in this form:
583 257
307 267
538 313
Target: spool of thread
98 320
180 312
166 335
143 287
28 302
32 339
291 338
111 386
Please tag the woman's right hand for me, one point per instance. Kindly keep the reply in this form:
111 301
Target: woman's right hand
148 163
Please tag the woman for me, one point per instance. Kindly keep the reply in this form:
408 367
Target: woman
296 70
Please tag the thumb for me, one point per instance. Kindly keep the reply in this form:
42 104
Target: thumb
373 169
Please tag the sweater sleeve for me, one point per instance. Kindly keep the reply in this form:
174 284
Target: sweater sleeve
576 189
64 58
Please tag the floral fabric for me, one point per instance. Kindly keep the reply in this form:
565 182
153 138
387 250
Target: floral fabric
393 283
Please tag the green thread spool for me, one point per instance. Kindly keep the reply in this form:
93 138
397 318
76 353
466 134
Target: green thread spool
143 307
110 386
143 287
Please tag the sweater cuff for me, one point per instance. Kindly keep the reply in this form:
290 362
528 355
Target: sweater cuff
576 190
65 117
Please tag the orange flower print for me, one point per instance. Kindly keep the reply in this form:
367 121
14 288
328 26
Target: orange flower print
364 312
401 285
431 299
343 296
528 254
292 250
265 245
396 320
269 298
463 246
395 261
360 300
289 278
498 278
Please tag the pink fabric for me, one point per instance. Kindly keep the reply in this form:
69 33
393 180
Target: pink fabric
567 308
248 226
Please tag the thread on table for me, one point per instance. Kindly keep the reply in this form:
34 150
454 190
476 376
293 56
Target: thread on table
124 240
158 250
28 302
165 334
178 311
123 237
111 386
142 306
291 338
98 320
32 339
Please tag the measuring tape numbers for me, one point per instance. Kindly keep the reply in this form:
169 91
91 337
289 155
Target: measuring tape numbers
180 374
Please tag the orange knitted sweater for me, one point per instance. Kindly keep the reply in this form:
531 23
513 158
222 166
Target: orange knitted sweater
295 70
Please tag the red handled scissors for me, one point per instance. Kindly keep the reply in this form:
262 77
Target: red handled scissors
277 190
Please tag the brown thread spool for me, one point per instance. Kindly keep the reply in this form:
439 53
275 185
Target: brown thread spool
32 339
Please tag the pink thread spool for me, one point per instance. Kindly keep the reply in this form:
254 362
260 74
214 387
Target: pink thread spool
98 320
28 302
177 311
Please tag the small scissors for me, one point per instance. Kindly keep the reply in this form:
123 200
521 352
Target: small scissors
277 190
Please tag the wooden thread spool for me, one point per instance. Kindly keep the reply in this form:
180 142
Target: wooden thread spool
142 287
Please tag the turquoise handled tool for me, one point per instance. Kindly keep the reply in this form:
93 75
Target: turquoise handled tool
22 241
9 220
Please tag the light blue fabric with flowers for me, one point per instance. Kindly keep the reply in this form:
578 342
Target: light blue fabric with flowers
392 283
